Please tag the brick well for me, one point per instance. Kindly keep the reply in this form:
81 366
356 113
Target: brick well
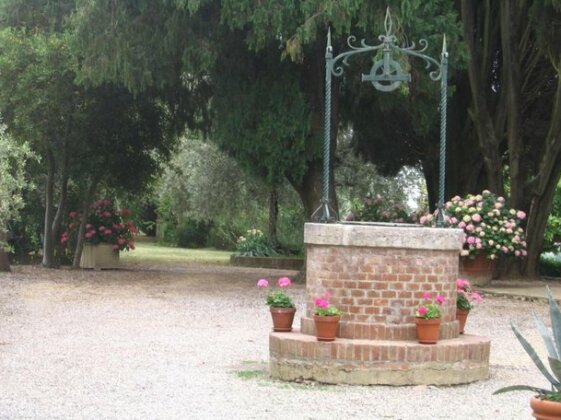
376 274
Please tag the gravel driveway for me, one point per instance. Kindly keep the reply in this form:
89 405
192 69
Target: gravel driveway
191 342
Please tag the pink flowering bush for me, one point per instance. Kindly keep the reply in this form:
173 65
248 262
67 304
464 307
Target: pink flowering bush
490 227
465 297
104 224
430 308
277 298
324 308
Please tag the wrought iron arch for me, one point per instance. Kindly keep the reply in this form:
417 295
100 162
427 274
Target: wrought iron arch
385 75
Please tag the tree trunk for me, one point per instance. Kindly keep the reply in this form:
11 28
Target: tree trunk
465 172
4 261
57 221
545 185
537 222
83 221
481 112
273 216
430 171
48 237
510 32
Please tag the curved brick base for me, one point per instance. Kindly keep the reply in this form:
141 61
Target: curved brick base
296 356
378 274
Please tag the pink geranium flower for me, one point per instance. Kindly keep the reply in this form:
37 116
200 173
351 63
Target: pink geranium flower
321 303
277 298
476 297
465 297
461 284
324 308
284 282
429 308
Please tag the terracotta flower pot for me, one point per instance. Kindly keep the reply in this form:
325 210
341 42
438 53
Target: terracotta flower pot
461 316
282 318
326 327
428 330
545 410
478 270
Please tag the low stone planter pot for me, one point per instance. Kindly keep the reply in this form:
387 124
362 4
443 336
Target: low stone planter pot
283 263
99 257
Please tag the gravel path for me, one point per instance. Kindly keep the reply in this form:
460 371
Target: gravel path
191 342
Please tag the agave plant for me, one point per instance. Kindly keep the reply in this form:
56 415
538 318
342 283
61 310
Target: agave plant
553 345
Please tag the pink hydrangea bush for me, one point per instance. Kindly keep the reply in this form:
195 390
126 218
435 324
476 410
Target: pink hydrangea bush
104 224
490 227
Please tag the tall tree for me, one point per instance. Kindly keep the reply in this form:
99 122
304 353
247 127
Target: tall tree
13 157
268 104
87 137
515 90
504 122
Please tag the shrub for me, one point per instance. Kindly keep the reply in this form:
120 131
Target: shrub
193 233
490 227
104 224
378 209
254 244
550 265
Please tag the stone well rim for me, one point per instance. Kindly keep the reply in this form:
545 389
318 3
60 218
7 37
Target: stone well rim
384 235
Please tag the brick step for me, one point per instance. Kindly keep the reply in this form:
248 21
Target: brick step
297 356
380 331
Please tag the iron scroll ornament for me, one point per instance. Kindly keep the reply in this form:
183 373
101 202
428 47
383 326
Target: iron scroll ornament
338 63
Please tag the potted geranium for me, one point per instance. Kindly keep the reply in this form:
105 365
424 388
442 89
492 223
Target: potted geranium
107 231
326 318
491 230
428 317
281 305
465 301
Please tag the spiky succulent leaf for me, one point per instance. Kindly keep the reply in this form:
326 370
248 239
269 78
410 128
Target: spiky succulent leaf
535 358
544 332
555 365
521 388
555 315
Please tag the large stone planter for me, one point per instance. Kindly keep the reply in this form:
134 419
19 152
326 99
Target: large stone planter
99 257
377 274
479 270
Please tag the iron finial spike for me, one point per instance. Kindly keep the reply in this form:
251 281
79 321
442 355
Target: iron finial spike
388 22
328 47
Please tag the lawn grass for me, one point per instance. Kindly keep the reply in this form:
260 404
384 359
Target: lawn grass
148 250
